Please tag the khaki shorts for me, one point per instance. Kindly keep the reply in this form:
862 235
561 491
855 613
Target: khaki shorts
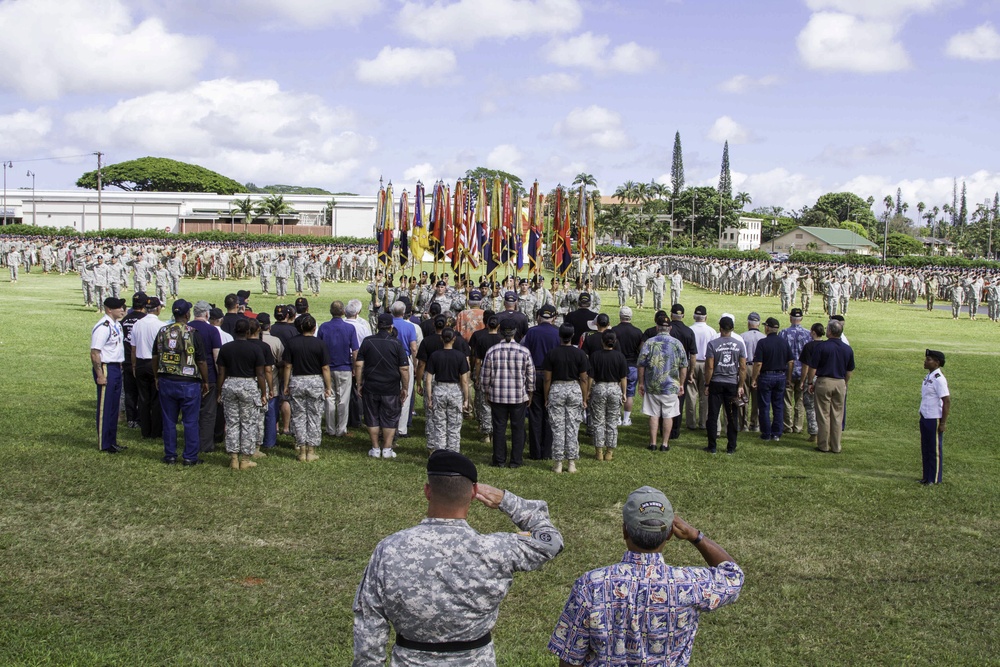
666 406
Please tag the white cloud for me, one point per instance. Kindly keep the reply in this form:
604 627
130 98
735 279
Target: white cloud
778 187
878 9
249 130
591 51
466 22
861 153
556 82
24 130
505 157
932 191
393 66
836 41
595 127
425 172
726 129
742 83
981 43
53 47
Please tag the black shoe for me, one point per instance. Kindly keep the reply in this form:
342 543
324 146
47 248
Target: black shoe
652 448
512 466
193 462
498 465
710 450
730 451
170 460
776 438
402 436
664 448
921 481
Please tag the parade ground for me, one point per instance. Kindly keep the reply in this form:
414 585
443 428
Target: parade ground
121 560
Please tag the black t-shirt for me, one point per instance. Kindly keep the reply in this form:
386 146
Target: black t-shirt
427 326
630 341
593 342
566 362
683 333
431 344
229 321
268 352
608 366
383 355
241 358
127 323
307 355
647 334
580 320
483 340
447 365
806 355
284 331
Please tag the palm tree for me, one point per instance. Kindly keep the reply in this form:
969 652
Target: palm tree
742 199
246 207
586 180
274 206
625 192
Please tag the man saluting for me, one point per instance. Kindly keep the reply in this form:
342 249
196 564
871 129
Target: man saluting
440 583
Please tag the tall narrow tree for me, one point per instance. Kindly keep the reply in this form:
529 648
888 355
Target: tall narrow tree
677 167
954 203
963 211
725 176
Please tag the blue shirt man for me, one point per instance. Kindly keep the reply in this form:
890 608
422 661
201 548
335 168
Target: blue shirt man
341 341
539 341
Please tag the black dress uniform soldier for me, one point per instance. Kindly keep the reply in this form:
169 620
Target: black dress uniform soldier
107 352
129 386
440 583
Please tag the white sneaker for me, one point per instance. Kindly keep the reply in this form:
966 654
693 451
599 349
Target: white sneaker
375 453
627 422
388 453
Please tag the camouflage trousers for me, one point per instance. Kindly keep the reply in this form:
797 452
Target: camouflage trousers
806 300
307 392
658 299
244 418
675 296
484 414
444 423
809 401
622 297
956 308
265 283
605 413
281 285
565 413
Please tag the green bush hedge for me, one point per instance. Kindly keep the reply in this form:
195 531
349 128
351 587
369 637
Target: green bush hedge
653 251
910 261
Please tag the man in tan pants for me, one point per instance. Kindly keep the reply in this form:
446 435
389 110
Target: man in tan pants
832 366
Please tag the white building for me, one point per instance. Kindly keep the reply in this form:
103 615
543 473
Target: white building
182 212
744 237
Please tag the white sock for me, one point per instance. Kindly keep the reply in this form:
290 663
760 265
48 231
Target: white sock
628 415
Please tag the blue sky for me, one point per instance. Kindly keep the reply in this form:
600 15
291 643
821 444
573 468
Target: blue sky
812 95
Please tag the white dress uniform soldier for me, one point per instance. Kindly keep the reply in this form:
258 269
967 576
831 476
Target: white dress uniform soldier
439 585
107 352
282 271
446 394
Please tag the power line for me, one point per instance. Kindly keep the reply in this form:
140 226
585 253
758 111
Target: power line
42 159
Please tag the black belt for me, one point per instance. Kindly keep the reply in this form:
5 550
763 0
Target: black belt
443 647
112 363
773 372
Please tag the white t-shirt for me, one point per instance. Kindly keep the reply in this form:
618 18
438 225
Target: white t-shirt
144 334
703 335
934 388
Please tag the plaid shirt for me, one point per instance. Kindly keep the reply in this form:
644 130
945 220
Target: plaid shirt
508 374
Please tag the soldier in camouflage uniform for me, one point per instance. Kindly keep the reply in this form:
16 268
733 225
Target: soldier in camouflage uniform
242 397
307 393
439 585
566 386
446 395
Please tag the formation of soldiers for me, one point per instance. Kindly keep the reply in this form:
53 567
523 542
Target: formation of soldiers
110 267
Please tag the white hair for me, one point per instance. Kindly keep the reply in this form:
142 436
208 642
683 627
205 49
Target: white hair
352 308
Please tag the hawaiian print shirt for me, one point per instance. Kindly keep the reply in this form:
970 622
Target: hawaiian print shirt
663 358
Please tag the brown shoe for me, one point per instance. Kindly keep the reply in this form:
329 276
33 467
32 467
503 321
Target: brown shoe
258 455
301 453
234 461
311 454
600 453
609 455
557 467
812 438
246 464
572 466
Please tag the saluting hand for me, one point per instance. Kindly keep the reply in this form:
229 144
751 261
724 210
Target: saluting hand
683 530
491 496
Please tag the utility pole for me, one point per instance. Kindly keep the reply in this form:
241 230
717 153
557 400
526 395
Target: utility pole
7 164
33 219
100 220
694 202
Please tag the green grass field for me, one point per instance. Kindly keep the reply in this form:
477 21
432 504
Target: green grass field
120 560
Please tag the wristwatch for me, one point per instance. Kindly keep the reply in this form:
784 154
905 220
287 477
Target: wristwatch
698 539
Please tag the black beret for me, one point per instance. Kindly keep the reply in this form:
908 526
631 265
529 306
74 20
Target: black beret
451 464
935 354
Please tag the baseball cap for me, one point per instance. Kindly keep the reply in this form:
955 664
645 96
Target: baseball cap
264 319
215 314
153 302
647 504
625 313
243 294
701 310
301 304
726 323
522 281
677 309
547 312
475 295
753 317
384 321
139 300
180 307
584 299
795 312
112 302
508 324
661 319
510 297
772 322
444 463
601 320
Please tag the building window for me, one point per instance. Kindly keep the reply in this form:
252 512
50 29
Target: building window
798 236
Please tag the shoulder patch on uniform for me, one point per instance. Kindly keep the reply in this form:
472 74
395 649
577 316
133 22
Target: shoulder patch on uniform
106 323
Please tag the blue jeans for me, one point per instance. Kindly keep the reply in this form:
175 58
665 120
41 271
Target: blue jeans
771 396
271 423
180 397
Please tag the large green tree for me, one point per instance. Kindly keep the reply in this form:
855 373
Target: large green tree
489 174
285 190
160 174
847 206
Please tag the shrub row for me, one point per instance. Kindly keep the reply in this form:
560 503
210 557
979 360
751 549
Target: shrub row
160 235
